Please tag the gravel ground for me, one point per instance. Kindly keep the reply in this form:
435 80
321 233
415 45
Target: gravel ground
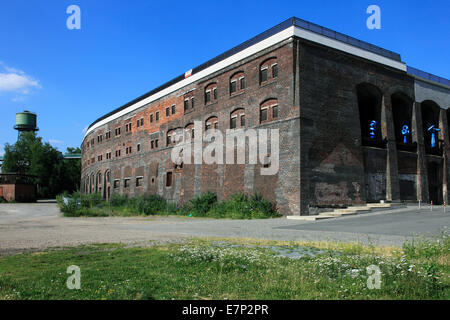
31 227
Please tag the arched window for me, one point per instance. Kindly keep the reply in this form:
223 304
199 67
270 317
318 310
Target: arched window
369 105
268 70
173 136
402 113
237 119
189 130
431 129
212 123
237 83
268 110
211 93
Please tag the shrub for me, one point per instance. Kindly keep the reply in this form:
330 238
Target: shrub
203 203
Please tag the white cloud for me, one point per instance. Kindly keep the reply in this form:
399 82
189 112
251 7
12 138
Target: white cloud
55 141
14 80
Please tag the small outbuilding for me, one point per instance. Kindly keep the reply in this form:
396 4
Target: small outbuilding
17 187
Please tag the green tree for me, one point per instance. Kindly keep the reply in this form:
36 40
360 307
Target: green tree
52 173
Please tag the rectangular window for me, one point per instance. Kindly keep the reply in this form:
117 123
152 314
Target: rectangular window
142 122
242 83
167 112
116 184
215 93
264 114
264 75
233 123
216 125
156 143
208 126
157 116
207 96
169 179
192 103
174 109
137 123
139 181
186 105
275 112
275 71
233 86
243 120
152 144
126 183
151 118
138 147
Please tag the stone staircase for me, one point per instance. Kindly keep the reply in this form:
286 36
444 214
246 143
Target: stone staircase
336 213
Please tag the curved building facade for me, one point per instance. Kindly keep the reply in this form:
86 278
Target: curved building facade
353 124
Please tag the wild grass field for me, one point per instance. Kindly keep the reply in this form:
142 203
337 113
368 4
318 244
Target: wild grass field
232 269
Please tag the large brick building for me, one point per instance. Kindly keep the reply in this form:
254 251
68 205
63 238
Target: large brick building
355 124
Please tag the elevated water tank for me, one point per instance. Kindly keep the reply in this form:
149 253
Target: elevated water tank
26 121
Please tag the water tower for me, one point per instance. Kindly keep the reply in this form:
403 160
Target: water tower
26 121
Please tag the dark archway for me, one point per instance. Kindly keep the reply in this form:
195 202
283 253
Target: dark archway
369 106
402 114
430 124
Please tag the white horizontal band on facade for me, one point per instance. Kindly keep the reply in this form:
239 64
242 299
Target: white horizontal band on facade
260 46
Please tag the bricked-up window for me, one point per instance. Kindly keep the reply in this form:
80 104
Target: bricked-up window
169 179
268 70
211 93
237 118
126 182
237 82
212 123
268 110
116 183
139 181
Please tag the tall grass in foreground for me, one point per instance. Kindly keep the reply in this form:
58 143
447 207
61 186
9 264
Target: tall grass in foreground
238 206
205 269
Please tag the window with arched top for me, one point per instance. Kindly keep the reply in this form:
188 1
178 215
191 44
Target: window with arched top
189 130
268 110
212 123
268 70
211 93
173 136
237 82
237 119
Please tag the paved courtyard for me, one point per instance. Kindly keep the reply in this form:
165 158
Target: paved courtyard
25 227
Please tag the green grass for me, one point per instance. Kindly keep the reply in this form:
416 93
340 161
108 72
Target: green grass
212 269
238 206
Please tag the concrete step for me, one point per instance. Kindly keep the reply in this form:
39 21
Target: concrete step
352 210
311 218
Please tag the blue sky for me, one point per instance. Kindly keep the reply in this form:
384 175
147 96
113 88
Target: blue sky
126 48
